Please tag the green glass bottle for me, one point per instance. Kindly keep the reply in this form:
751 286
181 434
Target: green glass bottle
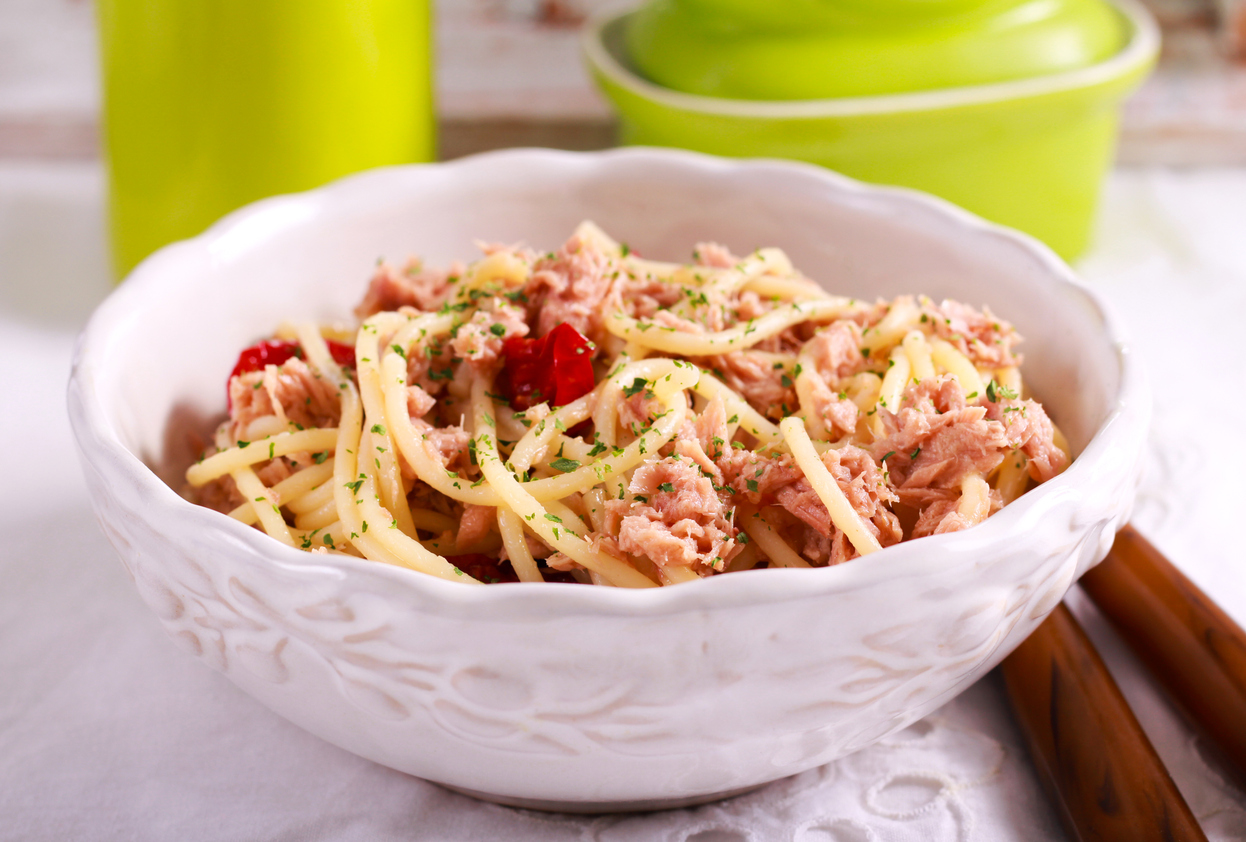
211 104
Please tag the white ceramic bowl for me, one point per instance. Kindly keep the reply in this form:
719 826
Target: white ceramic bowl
571 696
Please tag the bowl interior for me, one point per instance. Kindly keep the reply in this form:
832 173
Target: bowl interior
161 348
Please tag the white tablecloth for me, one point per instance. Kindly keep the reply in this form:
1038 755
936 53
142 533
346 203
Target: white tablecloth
107 731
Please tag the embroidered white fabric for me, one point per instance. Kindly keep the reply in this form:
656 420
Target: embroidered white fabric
108 732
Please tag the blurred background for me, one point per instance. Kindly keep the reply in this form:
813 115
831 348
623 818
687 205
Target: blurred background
507 73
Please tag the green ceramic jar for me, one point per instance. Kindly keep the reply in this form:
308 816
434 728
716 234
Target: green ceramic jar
1029 151
815 49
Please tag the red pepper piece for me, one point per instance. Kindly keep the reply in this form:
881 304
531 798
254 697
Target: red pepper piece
557 368
278 351
269 352
343 355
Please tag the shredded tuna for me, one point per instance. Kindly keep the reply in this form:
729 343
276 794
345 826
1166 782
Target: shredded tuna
756 477
712 254
859 477
291 391
920 498
681 521
752 476
750 305
825 550
754 376
700 449
978 334
942 515
274 471
937 517
836 351
637 411
836 356
219 494
837 413
414 286
432 372
479 339
419 402
475 525
448 445
570 286
643 297
935 440
1029 430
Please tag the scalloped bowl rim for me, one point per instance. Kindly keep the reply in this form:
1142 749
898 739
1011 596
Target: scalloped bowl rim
1141 48
99 439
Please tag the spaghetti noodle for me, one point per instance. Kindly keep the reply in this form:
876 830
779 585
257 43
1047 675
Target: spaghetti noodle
590 416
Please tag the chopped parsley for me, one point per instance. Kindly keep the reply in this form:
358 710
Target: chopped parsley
667 487
638 385
564 464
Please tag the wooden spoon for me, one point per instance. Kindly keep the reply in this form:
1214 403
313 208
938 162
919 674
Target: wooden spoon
1092 755
1190 644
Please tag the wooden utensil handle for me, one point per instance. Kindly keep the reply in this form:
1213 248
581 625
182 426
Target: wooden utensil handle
1184 638
1090 751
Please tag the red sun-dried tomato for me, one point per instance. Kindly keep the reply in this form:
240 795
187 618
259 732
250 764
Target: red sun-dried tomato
557 368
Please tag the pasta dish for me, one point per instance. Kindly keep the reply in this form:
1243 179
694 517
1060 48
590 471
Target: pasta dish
588 415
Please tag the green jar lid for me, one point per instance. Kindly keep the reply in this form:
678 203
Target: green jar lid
821 49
